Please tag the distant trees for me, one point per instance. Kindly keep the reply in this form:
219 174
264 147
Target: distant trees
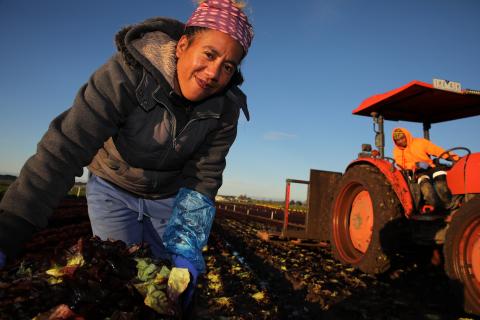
244 198
293 202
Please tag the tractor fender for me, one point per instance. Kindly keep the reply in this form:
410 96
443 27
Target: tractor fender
464 176
396 179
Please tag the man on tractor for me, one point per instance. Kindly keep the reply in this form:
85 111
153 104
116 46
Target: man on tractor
413 155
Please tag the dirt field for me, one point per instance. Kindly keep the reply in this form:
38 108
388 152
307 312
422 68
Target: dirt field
248 278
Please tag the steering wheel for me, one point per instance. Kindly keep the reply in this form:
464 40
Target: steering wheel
395 166
391 160
436 161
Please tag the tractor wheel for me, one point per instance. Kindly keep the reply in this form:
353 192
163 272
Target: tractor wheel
462 254
366 219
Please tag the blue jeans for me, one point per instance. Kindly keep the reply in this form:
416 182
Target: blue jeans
118 215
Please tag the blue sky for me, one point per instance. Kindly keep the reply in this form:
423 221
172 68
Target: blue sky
311 63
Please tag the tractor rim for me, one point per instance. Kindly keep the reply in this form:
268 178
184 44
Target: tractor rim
361 221
469 259
351 250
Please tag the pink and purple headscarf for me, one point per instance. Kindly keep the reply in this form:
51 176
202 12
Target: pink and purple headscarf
224 16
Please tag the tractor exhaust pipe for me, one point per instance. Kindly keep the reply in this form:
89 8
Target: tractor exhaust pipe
379 133
426 130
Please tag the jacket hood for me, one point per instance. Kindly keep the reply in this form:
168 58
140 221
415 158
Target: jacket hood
151 44
407 134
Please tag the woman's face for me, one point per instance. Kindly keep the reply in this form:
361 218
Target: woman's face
206 63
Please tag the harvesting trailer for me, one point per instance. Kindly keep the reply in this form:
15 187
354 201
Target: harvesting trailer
373 208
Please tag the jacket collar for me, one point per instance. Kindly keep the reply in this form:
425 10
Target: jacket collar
212 106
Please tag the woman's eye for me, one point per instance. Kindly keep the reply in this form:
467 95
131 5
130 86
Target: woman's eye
229 68
209 55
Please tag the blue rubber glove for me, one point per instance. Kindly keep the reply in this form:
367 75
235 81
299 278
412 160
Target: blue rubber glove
3 260
189 226
181 262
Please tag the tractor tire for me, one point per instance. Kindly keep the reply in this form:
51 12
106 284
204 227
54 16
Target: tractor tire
462 255
366 223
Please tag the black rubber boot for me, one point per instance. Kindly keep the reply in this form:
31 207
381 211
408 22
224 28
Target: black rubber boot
416 193
429 194
443 192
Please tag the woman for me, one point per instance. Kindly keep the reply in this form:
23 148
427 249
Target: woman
154 125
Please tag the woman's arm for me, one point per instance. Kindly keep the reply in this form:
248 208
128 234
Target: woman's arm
71 142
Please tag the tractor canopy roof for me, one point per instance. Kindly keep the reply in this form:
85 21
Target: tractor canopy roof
423 102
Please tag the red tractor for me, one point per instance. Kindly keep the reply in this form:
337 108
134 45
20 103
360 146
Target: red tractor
375 203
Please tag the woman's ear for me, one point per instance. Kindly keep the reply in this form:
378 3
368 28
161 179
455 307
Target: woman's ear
182 45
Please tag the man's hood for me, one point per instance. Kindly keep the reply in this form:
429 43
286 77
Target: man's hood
407 134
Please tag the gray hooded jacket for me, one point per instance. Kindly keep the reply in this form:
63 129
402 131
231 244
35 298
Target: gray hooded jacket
122 125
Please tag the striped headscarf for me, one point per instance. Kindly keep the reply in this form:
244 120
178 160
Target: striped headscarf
224 16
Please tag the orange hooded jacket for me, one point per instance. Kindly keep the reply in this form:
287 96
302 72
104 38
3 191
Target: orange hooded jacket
417 150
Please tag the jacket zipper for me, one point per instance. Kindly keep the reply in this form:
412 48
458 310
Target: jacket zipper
201 116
